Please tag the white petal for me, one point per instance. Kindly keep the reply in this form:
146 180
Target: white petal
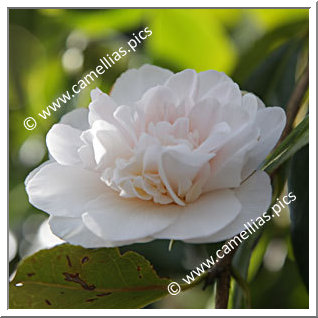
183 84
63 190
101 107
271 122
218 136
96 93
250 105
210 79
205 216
235 115
159 104
86 154
86 151
181 128
227 165
132 84
204 115
118 219
108 144
227 94
178 168
219 86
255 196
151 156
13 246
63 142
198 183
36 170
75 232
127 118
260 103
77 118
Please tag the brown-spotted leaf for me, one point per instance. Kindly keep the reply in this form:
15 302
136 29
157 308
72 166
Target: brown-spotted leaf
69 276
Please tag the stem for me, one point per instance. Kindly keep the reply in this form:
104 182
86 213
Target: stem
223 289
221 272
294 102
196 282
224 280
215 272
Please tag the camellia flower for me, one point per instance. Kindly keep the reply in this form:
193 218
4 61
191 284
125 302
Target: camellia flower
13 246
165 156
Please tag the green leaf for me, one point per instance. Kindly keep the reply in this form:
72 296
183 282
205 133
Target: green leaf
189 38
240 264
271 18
264 56
69 276
97 23
274 79
279 180
298 183
294 141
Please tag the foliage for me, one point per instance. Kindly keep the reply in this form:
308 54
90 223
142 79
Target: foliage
85 278
299 211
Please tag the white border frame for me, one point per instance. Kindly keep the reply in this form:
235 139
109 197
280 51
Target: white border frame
312 164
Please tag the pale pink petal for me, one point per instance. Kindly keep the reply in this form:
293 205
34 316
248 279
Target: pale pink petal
260 103
73 230
236 116
37 169
158 104
198 183
271 122
86 151
219 86
205 216
178 167
108 144
227 165
77 118
101 107
151 157
207 80
63 143
118 219
63 190
129 122
86 154
255 196
183 84
132 84
219 135
250 105
204 115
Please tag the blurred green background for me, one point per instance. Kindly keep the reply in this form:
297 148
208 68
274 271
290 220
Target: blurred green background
263 50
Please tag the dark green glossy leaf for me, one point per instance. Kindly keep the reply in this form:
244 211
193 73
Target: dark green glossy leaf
299 210
274 79
240 264
268 69
69 276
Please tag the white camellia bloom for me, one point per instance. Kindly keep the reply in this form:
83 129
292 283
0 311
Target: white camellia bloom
165 156
13 246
